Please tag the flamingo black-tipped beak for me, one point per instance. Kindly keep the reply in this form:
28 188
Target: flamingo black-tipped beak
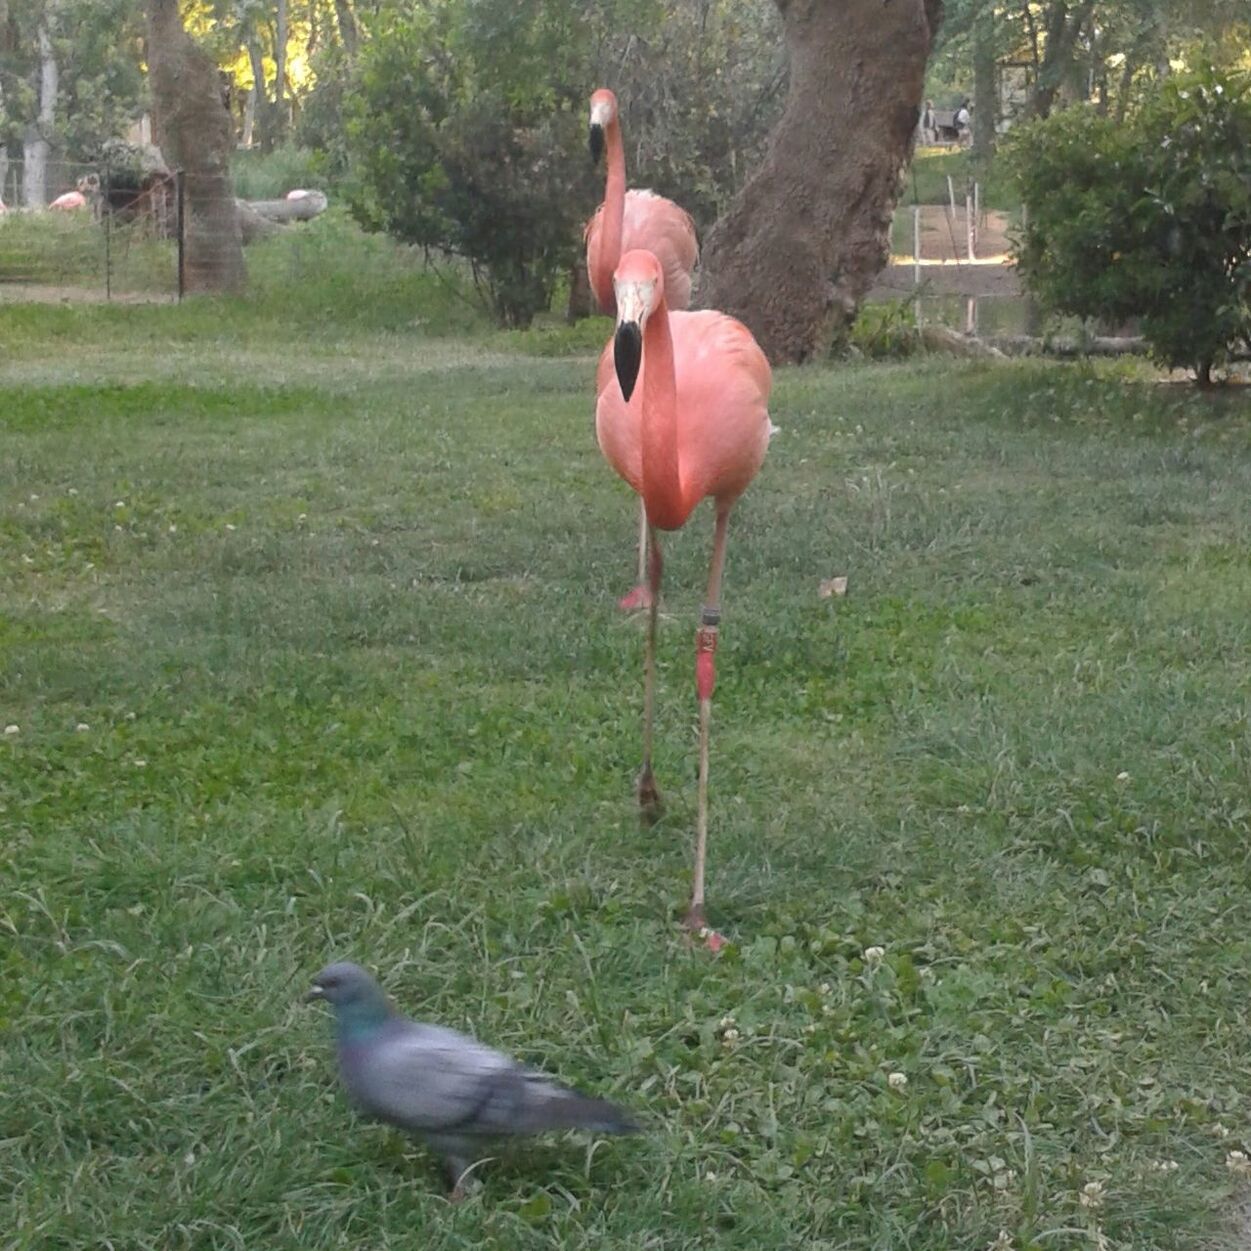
596 139
627 354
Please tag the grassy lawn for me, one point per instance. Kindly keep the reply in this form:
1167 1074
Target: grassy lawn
307 621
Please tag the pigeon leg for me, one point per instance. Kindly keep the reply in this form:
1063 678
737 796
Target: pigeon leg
456 1170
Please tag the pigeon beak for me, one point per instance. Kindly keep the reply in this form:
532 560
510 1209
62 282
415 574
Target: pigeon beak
314 993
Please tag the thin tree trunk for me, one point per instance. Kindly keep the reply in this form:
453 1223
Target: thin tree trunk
249 116
197 137
38 141
348 31
262 110
280 72
985 84
805 237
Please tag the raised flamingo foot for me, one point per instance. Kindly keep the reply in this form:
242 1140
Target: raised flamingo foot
697 924
648 793
640 597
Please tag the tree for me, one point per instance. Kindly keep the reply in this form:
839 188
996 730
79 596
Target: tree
69 80
1150 219
195 133
805 237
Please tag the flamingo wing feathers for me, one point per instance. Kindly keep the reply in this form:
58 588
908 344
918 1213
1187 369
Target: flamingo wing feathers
659 226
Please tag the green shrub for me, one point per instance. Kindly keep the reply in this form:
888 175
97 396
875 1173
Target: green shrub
1150 219
470 155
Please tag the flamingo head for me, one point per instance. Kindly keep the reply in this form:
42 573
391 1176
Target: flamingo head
639 285
603 114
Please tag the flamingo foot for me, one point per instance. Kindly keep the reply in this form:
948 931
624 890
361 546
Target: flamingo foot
697 925
648 793
640 597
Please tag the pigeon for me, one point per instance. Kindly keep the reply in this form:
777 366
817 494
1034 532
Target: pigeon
450 1090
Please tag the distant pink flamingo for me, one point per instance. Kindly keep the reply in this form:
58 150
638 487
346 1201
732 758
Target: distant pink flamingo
697 425
628 220
70 200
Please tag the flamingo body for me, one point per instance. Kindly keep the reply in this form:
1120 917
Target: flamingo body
648 221
681 414
70 200
721 390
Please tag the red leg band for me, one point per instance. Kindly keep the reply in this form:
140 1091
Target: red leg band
705 664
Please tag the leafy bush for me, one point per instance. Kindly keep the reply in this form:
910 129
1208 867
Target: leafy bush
478 155
1150 219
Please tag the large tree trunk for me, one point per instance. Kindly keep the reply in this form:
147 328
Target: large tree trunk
196 136
803 240
37 146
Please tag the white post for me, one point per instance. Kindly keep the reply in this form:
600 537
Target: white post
968 226
951 196
970 316
977 208
916 257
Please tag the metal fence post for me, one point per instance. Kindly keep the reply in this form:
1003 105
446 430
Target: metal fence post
180 186
108 234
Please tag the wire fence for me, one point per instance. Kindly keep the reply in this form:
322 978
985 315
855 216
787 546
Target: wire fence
88 231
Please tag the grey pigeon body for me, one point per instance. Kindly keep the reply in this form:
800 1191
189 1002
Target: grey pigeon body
450 1090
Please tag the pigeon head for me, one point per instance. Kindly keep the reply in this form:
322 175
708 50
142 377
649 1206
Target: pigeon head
349 989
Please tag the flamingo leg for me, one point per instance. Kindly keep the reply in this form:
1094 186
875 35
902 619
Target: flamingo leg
645 787
705 680
641 595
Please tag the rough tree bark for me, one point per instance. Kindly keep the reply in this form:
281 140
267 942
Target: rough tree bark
803 240
196 137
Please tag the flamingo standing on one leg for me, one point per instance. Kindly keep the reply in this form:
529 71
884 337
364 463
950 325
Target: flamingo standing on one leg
698 425
628 220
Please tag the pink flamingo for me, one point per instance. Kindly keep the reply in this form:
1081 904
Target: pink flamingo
70 200
698 426
628 220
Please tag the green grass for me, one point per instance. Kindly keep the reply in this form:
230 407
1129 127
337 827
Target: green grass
308 630
925 182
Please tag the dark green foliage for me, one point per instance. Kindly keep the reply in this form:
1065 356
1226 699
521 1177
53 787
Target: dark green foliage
474 154
1150 219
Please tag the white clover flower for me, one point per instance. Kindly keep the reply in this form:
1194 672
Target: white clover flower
71 491
229 526
141 764
120 504
81 728
1091 1195
726 1022
1122 776
1221 1131
12 729
1237 1162
1165 1166
710 1177
897 1081
730 1037
874 955
824 988
34 497
173 529
1002 1243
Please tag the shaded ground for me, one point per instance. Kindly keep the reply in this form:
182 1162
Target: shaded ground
49 293
945 267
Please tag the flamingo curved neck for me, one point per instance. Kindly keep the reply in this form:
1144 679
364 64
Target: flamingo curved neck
612 228
662 480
